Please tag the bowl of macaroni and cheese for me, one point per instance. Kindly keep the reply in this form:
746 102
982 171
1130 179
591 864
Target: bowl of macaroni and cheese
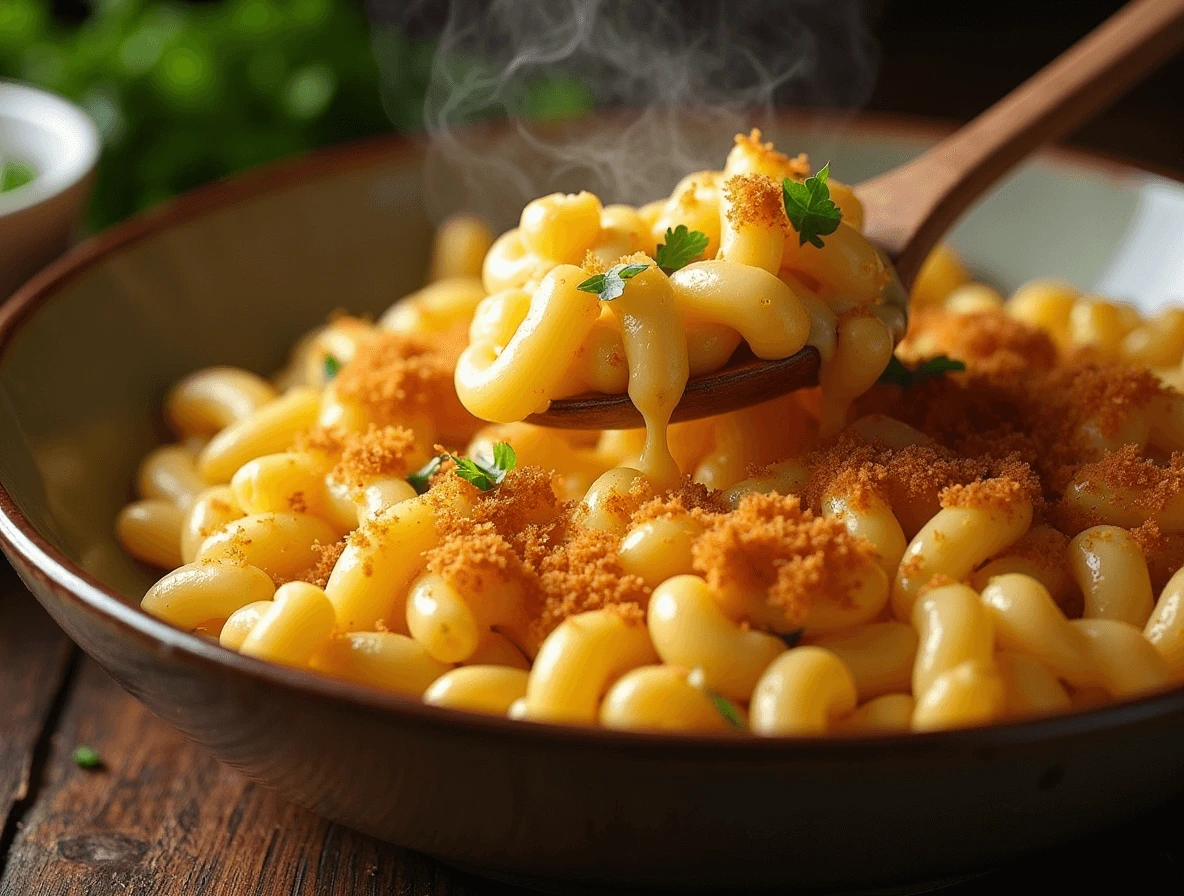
267 457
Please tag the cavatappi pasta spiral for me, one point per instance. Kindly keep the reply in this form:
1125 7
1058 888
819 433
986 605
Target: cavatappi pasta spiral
997 542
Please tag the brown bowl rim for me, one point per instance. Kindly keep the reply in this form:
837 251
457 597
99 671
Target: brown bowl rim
73 583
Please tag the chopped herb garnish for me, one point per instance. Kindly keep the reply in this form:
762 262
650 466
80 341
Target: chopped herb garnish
87 757
504 457
899 375
15 175
611 284
791 639
682 246
476 474
421 479
483 475
810 209
332 365
728 710
486 476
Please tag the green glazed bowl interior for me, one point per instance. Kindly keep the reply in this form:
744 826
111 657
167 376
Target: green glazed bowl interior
236 272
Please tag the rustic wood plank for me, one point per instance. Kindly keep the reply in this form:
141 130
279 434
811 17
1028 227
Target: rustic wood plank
162 817
34 666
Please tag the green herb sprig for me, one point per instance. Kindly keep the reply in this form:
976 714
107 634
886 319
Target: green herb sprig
87 757
14 175
681 247
898 375
611 284
728 710
332 366
809 207
486 476
421 479
483 475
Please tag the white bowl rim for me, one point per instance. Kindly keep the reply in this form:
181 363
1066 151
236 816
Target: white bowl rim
78 143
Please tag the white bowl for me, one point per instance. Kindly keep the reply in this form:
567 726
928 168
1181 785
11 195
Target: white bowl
62 144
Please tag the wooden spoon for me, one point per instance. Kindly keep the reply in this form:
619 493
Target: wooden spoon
906 211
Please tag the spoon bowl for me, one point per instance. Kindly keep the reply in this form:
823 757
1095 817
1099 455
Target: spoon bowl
745 381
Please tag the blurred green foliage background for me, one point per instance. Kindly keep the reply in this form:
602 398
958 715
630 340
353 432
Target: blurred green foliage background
185 92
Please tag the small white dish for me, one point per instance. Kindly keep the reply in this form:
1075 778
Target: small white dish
61 144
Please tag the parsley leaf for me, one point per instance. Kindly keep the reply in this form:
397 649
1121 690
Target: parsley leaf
486 475
332 365
899 375
477 474
504 457
809 207
682 246
791 639
611 284
728 710
87 757
421 479
481 474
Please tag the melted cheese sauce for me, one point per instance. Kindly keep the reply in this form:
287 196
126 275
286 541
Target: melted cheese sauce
537 337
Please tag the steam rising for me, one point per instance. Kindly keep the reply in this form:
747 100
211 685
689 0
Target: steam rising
684 77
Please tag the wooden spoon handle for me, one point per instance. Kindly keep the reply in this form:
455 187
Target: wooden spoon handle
906 211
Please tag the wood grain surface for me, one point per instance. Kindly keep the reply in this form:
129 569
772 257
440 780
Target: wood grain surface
35 661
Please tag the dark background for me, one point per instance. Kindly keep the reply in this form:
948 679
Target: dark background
187 91
952 60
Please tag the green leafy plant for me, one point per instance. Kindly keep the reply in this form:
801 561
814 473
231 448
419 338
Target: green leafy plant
186 92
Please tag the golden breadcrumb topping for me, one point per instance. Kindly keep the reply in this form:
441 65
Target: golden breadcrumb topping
755 199
769 544
327 557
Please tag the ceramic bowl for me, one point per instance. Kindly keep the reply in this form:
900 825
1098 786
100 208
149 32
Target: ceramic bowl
61 144
233 273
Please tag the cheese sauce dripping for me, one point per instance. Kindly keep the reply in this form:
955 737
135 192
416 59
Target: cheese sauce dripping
538 337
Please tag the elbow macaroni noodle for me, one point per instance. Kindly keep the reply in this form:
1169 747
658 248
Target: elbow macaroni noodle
894 604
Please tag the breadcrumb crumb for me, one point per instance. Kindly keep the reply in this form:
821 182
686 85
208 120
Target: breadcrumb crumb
327 557
770 545
755 199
